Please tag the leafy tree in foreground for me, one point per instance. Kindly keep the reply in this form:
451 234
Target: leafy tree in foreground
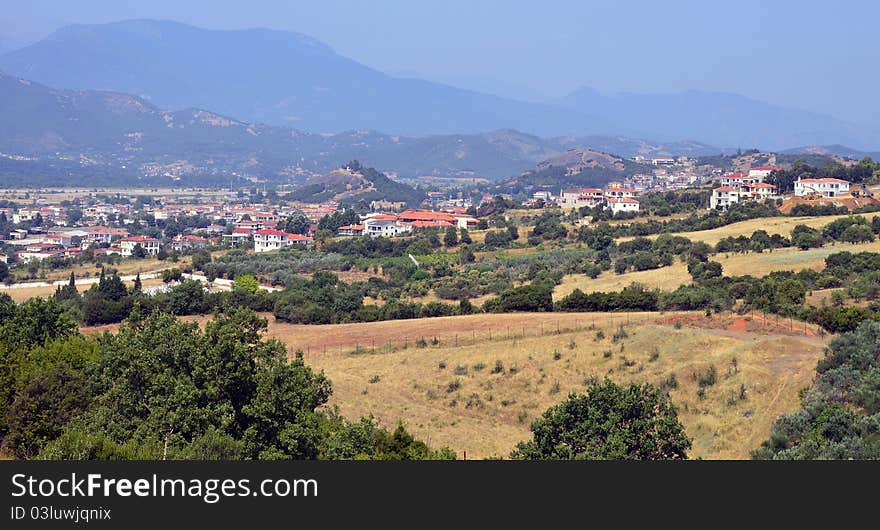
167 387
609 422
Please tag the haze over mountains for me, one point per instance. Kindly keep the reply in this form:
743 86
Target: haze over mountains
289 79
97 129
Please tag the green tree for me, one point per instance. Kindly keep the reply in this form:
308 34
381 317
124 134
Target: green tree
138 252
201 259
161 382
246 283
450 239
608 422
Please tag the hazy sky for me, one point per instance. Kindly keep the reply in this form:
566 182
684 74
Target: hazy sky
815 55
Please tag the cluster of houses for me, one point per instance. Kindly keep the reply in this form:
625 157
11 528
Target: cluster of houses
740 187
614 198
393 224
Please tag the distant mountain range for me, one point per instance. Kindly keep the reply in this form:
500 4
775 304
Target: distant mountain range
275 77
289 79
68 133
833 150
721 119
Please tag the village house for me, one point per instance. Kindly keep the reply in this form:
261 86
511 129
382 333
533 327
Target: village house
385 225
825 187
722 197
238 237
271 239
761 173
621 192
182 242
386 206
351 230
621 204
149 244
580 197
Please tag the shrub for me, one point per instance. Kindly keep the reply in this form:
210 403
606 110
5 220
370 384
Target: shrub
498 368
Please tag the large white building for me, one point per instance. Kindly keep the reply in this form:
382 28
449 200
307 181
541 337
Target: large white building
724 196
762 173
580 197
384 225
149 244
826 187
621 204
271 239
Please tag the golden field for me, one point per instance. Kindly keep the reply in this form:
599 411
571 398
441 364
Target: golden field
755 264
773 225
446 393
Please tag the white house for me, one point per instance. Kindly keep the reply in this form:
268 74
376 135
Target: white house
826 187
762 173
618 193
580 197
384 225
149 244
723 197
761 191
271 239
738 180
622 204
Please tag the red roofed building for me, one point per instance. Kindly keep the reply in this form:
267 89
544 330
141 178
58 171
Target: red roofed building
621 192
409 216
826 187
351 230
621 204
149 244
580 197
181 242
431 224
271 239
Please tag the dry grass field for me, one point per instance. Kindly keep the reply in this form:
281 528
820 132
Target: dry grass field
26 293
125 267
668 278
773 225
449 392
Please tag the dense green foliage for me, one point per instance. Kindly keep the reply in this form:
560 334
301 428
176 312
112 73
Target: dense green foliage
160 388
840 413
608 422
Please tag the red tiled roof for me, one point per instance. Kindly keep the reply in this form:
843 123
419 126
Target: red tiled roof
725 188
352 227
825 180
622 199
298 237
269 232
429 224
426 215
